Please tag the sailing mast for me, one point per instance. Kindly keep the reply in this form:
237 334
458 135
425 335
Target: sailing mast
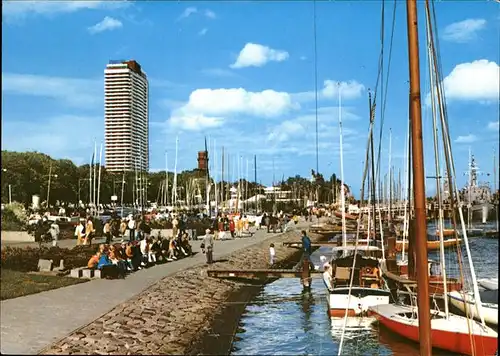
389 218
424 321
94 190
255 182
373 175
222 181
344 233
438 178
174 186
207 180
495 184
166 178
99 180
216 198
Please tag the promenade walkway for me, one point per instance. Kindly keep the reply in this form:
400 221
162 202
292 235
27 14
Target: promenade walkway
31 323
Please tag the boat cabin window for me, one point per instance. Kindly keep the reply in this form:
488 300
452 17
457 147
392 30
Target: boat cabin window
408 315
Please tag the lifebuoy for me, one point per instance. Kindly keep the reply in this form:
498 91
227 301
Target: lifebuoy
368 270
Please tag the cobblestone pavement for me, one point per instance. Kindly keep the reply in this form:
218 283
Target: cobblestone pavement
31 323
169 317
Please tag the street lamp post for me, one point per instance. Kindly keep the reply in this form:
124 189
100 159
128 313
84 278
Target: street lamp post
50 175
10 188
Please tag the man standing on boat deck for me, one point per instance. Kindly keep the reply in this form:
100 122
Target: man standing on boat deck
306 249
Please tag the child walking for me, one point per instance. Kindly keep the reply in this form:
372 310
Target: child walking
272 254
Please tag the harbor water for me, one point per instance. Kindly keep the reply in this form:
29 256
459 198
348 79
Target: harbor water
285 320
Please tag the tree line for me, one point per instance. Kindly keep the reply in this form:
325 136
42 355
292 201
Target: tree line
27 173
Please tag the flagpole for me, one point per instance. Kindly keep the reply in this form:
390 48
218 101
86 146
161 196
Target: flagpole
99 180
90 180
95 176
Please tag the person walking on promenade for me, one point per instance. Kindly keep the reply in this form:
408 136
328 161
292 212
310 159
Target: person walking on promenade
131 228
80 232
123 229
207 246
54 232
272 254
267 220
175 227
306 249
231 227
89 231
107 232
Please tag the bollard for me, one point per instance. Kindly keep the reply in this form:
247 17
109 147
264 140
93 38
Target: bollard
306 274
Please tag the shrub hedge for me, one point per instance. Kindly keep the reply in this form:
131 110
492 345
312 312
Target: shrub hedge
26 259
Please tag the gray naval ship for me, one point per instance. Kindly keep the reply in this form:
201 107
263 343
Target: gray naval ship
477 196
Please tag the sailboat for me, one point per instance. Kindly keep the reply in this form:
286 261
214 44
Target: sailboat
353 281
489 283
466 303
429 327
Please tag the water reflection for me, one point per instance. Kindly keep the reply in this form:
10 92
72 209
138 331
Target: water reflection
285 320
307 303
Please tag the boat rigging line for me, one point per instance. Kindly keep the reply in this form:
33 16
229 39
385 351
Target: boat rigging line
370 147
316 82
384 88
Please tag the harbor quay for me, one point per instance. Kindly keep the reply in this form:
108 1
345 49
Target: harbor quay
161 309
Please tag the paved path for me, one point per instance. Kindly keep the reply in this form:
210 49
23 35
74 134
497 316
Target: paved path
31 323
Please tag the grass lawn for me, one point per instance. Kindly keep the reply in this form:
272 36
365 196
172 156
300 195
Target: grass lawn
15 284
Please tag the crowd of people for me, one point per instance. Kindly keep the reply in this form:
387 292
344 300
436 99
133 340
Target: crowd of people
116 260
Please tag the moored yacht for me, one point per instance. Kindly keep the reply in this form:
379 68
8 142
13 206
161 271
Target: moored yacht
368 288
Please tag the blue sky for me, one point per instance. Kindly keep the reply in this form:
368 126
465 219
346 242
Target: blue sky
242 73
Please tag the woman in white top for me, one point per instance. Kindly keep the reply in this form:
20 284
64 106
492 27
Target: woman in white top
79 233
146 251
131 228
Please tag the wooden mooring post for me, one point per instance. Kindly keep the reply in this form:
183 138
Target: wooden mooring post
306 274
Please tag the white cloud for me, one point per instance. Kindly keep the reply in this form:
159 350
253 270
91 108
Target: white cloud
81 93
15 10
463 31
210 14
194 10
256 55
212 106
493 125
266 103
285 130
351 89
466 139
285 136
188 11
203 32
107 24
348 90
474 81
195 122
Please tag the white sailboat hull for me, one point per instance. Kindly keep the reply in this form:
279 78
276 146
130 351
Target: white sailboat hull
488 283
361 299
489 310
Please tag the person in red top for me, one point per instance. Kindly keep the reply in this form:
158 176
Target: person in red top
231 227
